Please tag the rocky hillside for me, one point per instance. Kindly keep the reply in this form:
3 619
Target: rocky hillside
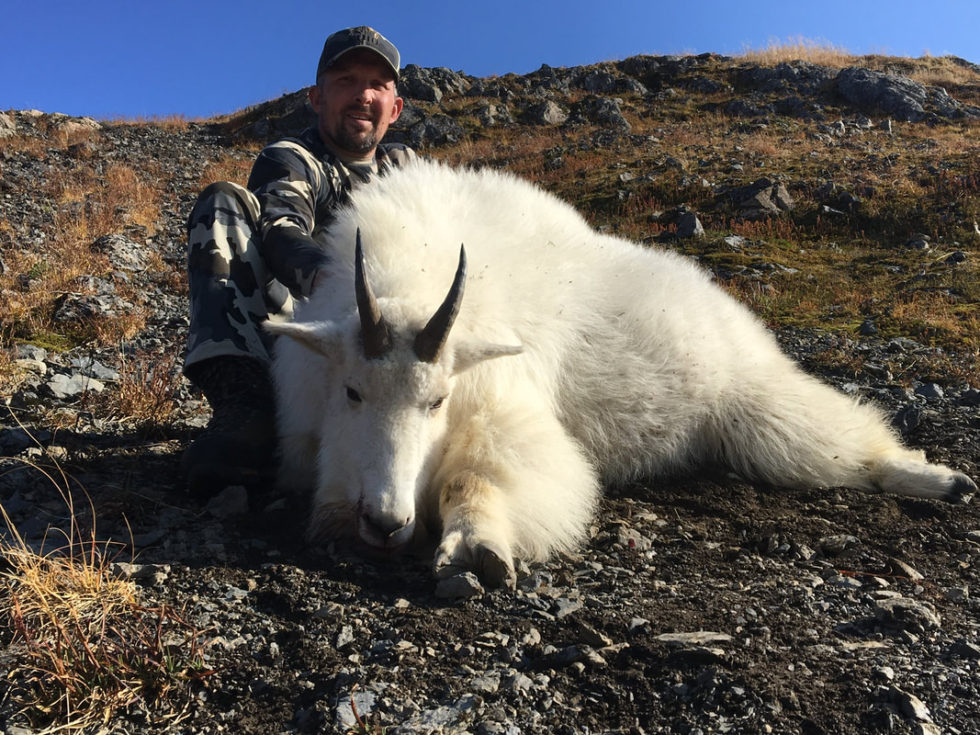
840 201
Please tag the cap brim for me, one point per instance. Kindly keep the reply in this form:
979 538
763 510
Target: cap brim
375 51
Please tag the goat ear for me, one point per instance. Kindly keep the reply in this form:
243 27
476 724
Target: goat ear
321 337
468 354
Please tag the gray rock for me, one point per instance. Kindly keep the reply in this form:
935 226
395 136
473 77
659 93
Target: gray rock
898 96
603 111
601 82
72 386
430 84
899 567
30 352
868 328
929 390
72 125
15 440
123 253
518 682
633 539
565 606
907 419
781 197
965 649
494 114
231 501
838 543
907 614
546 113
435 131
497 728
8 128
459 587
359 703
970 397
638 624
800 77
758 205
697 638
411 115
345 638
957 594
487 683
885 673
689 226
696 656
761 199
910 705
745 107
91 367
439 718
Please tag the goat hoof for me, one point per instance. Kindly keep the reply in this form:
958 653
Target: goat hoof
962 490
490 561
495 571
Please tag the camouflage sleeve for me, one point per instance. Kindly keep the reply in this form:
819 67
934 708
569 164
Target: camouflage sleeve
398 154
289 183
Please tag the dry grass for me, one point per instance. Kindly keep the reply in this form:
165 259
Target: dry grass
146 395
234 167
92 202
938 71
86 647
796 48
86 205
175 122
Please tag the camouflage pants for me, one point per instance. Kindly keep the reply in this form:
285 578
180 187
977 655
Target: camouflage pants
231 290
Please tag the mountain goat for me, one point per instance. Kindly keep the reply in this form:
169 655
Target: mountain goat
574 359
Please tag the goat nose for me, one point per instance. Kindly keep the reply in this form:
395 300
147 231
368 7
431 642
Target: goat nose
382 528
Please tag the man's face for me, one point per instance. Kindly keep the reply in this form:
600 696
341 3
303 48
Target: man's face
355 102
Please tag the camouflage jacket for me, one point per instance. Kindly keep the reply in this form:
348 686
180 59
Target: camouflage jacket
299 184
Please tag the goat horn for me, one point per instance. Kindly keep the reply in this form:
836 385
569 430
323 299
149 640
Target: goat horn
375 335
429 342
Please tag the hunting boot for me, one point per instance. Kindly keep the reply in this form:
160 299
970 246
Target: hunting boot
238 447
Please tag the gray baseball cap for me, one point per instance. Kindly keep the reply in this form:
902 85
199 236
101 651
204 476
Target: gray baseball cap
341 42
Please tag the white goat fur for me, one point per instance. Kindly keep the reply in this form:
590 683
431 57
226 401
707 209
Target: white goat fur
633 363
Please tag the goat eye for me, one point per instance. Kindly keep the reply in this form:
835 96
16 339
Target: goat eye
434 406
353 395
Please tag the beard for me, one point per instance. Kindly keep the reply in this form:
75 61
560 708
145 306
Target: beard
361 142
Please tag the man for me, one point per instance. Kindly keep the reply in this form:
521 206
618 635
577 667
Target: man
252 250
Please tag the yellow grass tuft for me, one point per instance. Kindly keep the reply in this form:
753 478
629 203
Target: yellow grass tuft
86 646
146 394
799 48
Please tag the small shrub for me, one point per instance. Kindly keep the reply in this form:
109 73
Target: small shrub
146 394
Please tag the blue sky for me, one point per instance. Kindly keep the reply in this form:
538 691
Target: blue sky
138 59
